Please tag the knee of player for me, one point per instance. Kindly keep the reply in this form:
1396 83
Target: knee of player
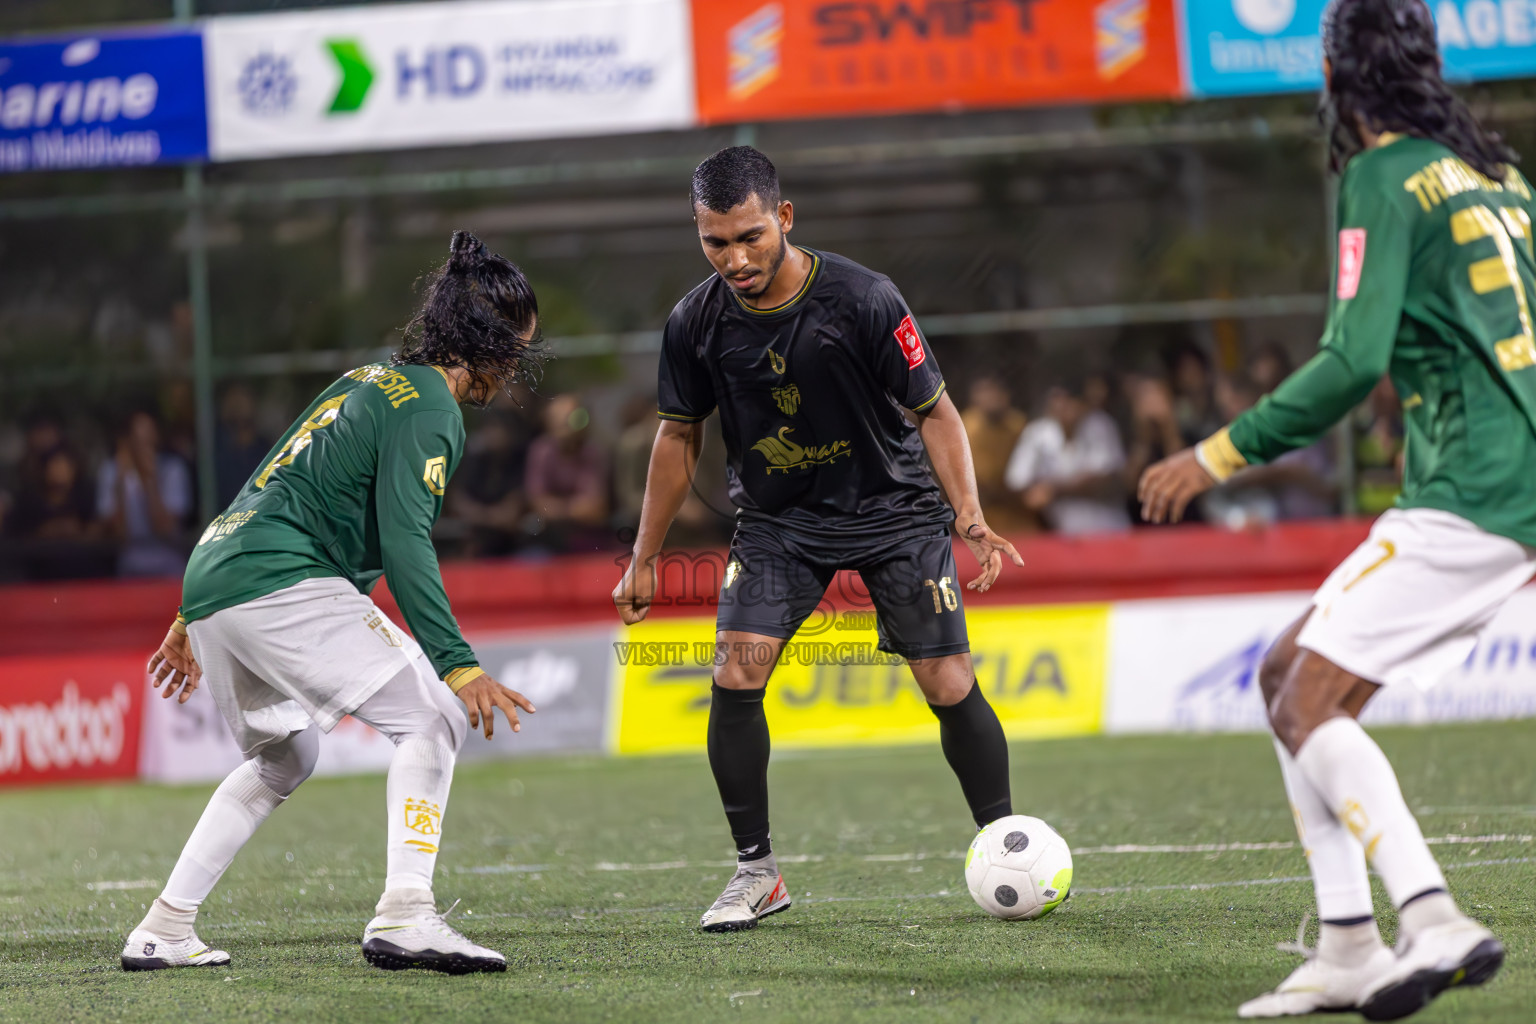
736 676
1289 724
283 767
455 728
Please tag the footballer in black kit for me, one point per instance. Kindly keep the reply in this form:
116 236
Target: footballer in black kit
832 406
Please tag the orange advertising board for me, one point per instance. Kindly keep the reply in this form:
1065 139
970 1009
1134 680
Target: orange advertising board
766 59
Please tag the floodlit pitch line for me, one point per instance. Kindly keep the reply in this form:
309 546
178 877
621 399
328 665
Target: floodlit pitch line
332 920
139 883
901 858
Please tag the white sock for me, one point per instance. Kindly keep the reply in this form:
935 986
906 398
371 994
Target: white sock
1335 859
1355 778
240 804
420 774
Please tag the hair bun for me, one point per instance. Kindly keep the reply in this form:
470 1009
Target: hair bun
465 252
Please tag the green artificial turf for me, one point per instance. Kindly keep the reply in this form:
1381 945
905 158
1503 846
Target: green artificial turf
590 875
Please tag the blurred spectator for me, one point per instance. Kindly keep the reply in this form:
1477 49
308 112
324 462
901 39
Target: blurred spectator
1069 466
994 426
567 479
488 493
54 500
54 515
1297 485
1194 393
1270 365
238 446
1154 434
143 496
1379 450
632 458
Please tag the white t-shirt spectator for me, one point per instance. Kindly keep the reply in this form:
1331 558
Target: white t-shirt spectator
1045 454
143 552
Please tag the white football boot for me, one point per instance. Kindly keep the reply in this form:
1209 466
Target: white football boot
146 951
1429 962
410 933
755 891
1318 985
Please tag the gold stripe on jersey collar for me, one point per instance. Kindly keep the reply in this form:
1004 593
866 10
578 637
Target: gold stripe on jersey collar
804 288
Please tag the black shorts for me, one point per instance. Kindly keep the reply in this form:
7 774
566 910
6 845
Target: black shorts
776 578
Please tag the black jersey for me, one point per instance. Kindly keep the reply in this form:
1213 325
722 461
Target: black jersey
811 396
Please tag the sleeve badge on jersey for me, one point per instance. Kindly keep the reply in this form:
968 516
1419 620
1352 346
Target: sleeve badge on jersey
1351 261
911 343
436 475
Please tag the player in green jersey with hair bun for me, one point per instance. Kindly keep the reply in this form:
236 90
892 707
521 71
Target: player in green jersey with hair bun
275 614
1434 287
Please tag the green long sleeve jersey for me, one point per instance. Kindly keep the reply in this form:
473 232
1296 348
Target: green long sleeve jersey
1434 283
352 491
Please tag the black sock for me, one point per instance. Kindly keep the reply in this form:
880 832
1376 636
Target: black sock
975 748
738 755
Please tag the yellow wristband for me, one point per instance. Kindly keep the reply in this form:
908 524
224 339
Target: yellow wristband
1219 457
179 626
462 677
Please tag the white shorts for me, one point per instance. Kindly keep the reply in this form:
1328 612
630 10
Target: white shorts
307 653
1409 604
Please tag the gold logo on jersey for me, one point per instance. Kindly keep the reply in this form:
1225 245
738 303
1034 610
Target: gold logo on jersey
784 455
436 475
777 362
324 415
423 816
787 399
732 571
223 526
375 622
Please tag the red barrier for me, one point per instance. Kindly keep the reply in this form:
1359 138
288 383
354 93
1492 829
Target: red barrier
491 597
70 718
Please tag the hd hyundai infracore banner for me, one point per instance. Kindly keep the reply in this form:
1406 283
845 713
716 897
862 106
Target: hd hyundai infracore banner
418 75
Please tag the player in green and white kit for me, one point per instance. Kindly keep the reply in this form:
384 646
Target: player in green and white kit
275 614
1434 287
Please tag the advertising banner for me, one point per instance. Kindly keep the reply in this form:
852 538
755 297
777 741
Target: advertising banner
1240 47
822 58
1191 665
74 718
565 675
106 100
387 77
1041 668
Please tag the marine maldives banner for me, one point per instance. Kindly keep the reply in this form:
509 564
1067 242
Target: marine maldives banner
76 717
1240 47
117 100
820 58
445 74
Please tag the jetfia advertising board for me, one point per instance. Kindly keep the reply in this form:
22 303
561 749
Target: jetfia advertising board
1242 47
824 58
412 75
92 101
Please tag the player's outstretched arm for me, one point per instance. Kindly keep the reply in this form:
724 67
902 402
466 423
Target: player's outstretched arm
674 459
174 666
949 449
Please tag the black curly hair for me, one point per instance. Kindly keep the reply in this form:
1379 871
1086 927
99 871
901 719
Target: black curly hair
479 313
1386 75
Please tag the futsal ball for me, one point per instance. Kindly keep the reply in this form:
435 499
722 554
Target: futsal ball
1018 868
